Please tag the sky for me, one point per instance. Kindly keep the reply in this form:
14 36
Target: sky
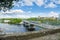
33 8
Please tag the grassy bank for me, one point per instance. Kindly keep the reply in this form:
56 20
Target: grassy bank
51 21
11 20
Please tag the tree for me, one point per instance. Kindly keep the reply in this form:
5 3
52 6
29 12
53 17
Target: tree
6 4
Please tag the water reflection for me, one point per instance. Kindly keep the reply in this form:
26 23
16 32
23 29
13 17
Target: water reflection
8 28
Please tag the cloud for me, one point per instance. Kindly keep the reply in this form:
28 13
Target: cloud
39 2
23 3
15 4
50 14
23 14
17 11
18 4
15 14
45 3
28 2
54 14
13 11
50 5
56 1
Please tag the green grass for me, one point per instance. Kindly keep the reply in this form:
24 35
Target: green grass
49 20
12 20
42 20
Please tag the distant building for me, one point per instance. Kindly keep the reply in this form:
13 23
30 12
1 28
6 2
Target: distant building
59 17
6 21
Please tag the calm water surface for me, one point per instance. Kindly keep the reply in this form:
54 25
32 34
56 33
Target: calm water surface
8 28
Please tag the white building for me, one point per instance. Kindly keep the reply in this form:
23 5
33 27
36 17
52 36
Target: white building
6 21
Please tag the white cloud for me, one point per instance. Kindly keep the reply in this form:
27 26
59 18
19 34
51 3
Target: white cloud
13 11
56 1
17 11
15 14
15 4
39 2
12 14
28 14
54 14
50 5
18 4
28 2
22 16
50 14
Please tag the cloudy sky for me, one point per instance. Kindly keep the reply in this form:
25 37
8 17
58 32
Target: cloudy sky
33 8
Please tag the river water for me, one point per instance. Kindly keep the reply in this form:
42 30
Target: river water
10 28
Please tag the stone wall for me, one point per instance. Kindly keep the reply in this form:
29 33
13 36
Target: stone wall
29 35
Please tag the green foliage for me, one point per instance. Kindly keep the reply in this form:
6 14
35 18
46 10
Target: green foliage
32 19
12 20
6 4
42 20
50 21
15 21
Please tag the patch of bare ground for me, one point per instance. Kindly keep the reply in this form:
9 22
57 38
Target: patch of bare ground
55 36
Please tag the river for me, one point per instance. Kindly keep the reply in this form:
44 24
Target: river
11 28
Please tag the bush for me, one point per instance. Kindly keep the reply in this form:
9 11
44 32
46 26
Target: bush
15 21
